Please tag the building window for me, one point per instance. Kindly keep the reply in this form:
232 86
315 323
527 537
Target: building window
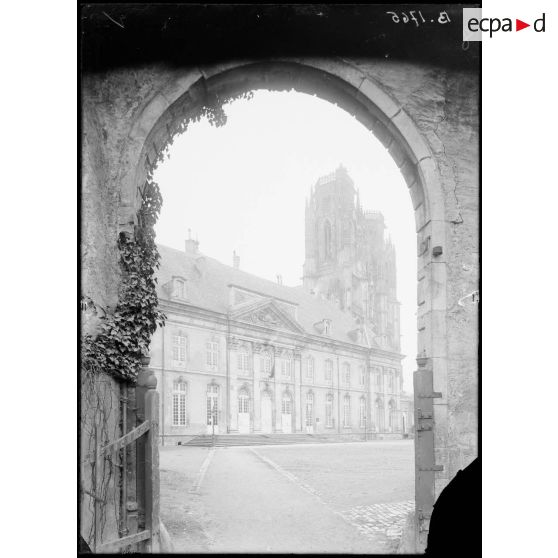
390 380
379 380
286 404
328 370
362 375
286 365
265 363
243 402
347 373
212 353
362 412
379 416
179 348
310 369
243 361
329 410
179 403
347 411
309 409
213 404
179 288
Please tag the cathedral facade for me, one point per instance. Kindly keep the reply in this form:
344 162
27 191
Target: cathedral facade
240 354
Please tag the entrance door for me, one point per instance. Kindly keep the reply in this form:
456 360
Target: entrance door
266 413
286 415
213 409
309 413
243 413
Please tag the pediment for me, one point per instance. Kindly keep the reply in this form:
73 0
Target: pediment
266 313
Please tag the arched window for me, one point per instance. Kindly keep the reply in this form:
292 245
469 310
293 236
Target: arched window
328 370
179 392
310 369
329 410
179 348
309 409
347 411
243 402
362 412
286 404
347 373
212 404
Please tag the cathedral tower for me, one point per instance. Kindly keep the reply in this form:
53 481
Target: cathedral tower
347 258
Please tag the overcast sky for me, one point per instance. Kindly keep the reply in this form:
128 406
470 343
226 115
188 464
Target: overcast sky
243 187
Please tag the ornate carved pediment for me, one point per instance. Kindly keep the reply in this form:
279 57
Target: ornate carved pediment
266 317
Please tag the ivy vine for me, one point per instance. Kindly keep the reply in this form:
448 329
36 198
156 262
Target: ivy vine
124 336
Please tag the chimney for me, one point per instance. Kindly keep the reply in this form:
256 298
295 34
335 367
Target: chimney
279 279
236 260
191 245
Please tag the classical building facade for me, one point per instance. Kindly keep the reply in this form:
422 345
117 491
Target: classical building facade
241 354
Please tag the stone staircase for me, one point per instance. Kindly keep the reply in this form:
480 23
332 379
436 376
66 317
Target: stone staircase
226 440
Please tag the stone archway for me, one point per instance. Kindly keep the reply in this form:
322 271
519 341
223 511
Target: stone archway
171 95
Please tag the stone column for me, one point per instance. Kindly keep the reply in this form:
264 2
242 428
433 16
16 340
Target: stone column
278 392
233 395
256 389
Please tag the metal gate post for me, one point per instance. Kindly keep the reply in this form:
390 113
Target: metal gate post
152 464
141 390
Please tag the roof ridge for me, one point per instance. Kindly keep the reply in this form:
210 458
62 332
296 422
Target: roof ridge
236 270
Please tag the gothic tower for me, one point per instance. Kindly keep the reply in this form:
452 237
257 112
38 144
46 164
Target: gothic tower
348 260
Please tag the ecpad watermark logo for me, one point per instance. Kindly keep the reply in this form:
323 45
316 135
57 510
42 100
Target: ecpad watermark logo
474 25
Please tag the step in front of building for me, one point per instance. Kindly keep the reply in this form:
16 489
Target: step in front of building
224 440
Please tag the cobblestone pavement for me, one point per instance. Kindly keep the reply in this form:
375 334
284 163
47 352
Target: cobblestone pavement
381 522
370 485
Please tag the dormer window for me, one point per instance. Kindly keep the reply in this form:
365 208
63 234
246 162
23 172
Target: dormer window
179 288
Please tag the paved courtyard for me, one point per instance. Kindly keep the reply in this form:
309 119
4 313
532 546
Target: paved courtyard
349 498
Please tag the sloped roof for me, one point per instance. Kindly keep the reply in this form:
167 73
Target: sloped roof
208 287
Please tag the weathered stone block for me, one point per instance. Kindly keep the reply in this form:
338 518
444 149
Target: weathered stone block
408 129
417 195
386 104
